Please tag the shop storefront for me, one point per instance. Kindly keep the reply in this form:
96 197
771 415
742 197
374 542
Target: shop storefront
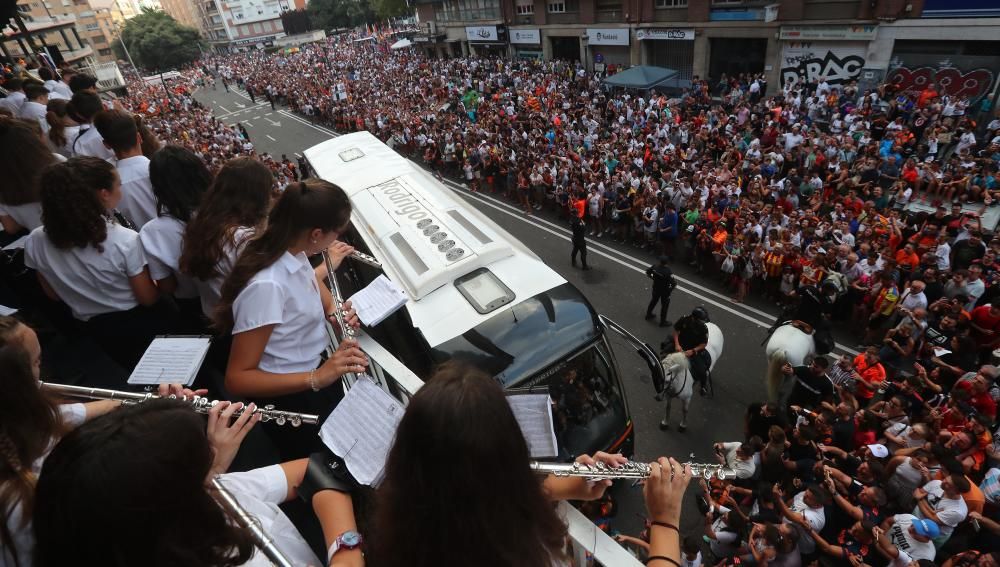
813 53
672 48
526 43
736 55
608 47
961 69
564 47
485 41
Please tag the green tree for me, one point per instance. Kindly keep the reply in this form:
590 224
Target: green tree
386 9
327 14
158 42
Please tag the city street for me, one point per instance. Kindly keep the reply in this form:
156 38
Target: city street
617 287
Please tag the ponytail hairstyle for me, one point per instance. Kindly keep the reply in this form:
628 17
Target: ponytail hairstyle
29 421
179 179
56 116
302 207
84 106
239 196
25 157
72 213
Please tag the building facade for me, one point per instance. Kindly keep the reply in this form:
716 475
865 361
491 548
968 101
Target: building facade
86 40
953 42
185 12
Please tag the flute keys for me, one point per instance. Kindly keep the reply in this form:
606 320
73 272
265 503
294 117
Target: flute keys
295 421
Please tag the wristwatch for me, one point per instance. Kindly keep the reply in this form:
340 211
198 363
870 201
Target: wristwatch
347 540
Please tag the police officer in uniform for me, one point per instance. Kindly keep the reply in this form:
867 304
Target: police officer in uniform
579 241
663 286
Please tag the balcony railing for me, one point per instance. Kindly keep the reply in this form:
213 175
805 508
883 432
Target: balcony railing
109 76
609 16
475 15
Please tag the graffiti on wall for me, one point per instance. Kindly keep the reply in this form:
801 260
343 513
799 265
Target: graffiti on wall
972 83
808 61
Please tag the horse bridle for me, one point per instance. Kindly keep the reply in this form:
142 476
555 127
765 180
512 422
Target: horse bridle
666 387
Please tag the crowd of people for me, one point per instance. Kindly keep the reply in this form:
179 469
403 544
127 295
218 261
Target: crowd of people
807 194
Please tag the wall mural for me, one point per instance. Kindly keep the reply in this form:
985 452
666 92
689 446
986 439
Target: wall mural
805 61
972 82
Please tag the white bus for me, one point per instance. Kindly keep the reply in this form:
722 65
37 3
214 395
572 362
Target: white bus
475 294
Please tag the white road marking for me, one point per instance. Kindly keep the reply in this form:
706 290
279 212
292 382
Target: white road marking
297 154
270 138
269 113
226 109
249 124
291 116
273 123
255 118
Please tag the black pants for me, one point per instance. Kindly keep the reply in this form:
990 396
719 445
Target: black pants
298 442
663 297
125 335
581 248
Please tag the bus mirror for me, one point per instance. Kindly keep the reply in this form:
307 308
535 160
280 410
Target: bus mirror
644 351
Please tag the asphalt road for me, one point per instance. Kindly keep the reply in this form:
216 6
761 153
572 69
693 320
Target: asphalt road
617 287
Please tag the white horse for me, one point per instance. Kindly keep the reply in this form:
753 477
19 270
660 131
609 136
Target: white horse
787 345
679 383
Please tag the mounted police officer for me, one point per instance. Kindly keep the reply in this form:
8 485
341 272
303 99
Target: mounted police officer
663 286
812 313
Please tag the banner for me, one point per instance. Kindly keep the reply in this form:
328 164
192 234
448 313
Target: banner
665 33
963 76
481 33
616 36
842 33
807 61
531 36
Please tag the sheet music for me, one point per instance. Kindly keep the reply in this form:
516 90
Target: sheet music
378 300
361 429
5 311
534 414
171 360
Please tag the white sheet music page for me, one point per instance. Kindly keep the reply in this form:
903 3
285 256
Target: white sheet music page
378 300
534 414
171 360
361 429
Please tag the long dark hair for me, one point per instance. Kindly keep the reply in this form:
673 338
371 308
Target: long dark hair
239 196
180 179
56 115
72 213
29 421
128 488
303 206
22 162
439 504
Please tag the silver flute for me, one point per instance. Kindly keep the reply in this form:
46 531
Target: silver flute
366 259
632 469
198 403
264 543
340 314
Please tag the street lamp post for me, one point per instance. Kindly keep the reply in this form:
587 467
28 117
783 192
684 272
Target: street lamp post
125 48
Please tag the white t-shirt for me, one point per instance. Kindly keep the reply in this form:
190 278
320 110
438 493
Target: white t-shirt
72 416
138 202
88 142
909 548
815 517
28 215
162 240
210 290
950 511
286 295
88 281
743 469
259 492
726 543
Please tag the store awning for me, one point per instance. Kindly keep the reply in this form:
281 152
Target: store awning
643 77
401 44
369 38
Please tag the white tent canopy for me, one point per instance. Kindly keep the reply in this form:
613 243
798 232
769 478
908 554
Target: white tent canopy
401 44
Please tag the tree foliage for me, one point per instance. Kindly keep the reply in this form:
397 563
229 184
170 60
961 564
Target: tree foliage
328 14
158 42
386 9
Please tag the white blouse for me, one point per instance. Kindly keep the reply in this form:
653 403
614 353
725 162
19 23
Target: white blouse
210 290
72 416
138 202
28 215
286 295
162 240
259 492
88 281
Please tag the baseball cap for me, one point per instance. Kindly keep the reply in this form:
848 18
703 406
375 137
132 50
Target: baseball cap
879 450
926 528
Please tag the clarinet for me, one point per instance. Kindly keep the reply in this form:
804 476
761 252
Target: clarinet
632 469
198 403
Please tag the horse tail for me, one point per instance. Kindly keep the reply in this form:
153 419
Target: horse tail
774 377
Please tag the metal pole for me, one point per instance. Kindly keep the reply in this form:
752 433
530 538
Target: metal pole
125 48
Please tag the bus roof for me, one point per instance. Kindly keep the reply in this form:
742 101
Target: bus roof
427 238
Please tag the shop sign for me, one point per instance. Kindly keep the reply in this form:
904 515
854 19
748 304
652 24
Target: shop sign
531 36
614 36
804 62
481 33
737 15
842 33
665 33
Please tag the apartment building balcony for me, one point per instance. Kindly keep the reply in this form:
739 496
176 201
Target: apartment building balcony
472 15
